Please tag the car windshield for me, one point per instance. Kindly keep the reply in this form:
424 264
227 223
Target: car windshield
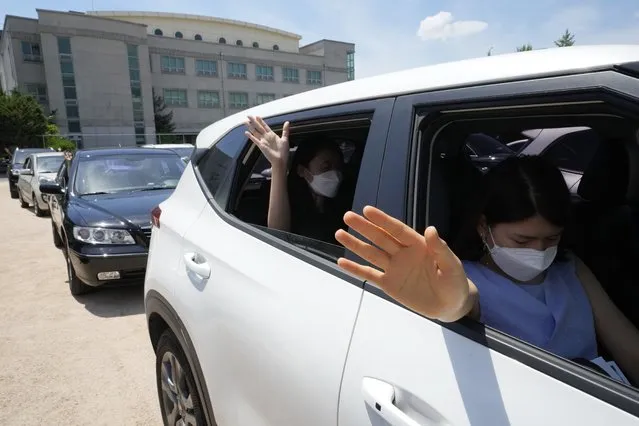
127 172
21 155
49 164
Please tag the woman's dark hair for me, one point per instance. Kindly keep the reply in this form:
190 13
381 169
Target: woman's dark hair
516 189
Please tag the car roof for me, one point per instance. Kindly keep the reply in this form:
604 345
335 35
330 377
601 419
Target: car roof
497 68
48 154
103 152
34 150
168 145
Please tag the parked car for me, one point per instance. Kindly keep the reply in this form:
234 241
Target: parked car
184 150
100 203
37 168
4 164
253 326
17 161
485 151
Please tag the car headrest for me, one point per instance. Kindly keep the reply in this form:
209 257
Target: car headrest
607 176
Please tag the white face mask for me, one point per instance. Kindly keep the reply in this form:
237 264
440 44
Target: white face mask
523 264
326 183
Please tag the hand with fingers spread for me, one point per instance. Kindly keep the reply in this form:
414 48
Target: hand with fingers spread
419 271
275 148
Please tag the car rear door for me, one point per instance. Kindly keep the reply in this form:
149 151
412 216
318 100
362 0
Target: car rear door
271 322
406 370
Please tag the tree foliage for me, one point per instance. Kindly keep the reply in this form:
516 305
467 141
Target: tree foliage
22 120
567 39
163 116
53 139
525 47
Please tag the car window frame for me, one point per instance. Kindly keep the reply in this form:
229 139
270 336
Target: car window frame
608 84
369 173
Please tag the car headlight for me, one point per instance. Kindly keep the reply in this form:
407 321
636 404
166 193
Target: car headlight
102 235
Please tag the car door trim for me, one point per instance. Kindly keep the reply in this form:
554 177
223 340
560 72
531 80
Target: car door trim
394 202
155 303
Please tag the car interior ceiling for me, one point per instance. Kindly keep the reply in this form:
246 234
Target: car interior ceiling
252 202
604 232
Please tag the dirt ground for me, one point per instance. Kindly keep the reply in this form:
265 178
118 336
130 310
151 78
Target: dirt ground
66 360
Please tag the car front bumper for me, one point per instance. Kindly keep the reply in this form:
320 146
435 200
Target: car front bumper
130 267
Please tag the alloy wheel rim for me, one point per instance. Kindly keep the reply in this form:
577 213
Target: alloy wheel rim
176 393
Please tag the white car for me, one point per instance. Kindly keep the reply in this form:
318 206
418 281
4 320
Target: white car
256 327
37 168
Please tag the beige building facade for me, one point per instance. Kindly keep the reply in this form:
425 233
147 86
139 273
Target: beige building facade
99 71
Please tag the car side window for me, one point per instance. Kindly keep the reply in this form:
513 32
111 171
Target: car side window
216 165
27 163
62 176
574 151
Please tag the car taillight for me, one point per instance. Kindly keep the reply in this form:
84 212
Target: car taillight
155 216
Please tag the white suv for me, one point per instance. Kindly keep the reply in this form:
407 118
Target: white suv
256 327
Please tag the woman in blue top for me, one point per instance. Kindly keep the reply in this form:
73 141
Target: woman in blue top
515 277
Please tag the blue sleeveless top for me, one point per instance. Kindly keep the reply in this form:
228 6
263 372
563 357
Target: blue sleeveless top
555 315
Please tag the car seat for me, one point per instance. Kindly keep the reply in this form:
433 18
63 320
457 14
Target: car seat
604 230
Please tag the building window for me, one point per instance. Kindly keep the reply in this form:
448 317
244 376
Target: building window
73 111
74 126
31 52
208 99
198 37
276 47
236 70
263 72
206 68
38 91
350 65
263 98
291 75
314 77
256 45
239 43
64 45
222 40
172 65
238 100
178 34
66 67
175 97
70 93
158 32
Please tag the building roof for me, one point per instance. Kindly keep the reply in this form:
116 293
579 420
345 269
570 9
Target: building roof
484 70
166 15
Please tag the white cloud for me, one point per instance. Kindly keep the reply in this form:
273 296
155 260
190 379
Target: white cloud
442 26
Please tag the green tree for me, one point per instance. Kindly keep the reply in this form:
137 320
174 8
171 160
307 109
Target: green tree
567 39
525 47
22 120
53 139
163 116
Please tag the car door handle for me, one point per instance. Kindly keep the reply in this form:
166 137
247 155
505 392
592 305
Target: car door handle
200 268
380 397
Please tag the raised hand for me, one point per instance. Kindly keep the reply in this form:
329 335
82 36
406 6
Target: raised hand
420 272
274 147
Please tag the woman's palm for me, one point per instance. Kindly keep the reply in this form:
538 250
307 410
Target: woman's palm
274 147
420 272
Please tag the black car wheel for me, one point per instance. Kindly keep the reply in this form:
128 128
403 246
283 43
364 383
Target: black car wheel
23 203
76 286
179 399
57 241
36 207
13 191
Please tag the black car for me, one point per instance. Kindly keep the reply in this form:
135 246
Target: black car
15 164
101 212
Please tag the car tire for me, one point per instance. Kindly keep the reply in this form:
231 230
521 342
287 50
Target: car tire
76 286
13 193
36 207
57 241
179 398
23 203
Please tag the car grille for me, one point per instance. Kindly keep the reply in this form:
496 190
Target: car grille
147 233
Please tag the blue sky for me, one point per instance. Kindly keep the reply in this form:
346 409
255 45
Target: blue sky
399 34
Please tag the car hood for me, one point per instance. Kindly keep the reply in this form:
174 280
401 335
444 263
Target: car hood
118 210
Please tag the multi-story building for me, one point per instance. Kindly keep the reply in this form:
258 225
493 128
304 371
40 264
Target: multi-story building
99 71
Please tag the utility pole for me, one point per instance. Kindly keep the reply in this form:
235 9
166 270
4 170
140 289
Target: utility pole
222 94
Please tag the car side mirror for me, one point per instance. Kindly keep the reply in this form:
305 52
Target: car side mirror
52 188
26 172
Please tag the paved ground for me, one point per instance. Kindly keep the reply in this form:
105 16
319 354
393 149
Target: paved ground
66 360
